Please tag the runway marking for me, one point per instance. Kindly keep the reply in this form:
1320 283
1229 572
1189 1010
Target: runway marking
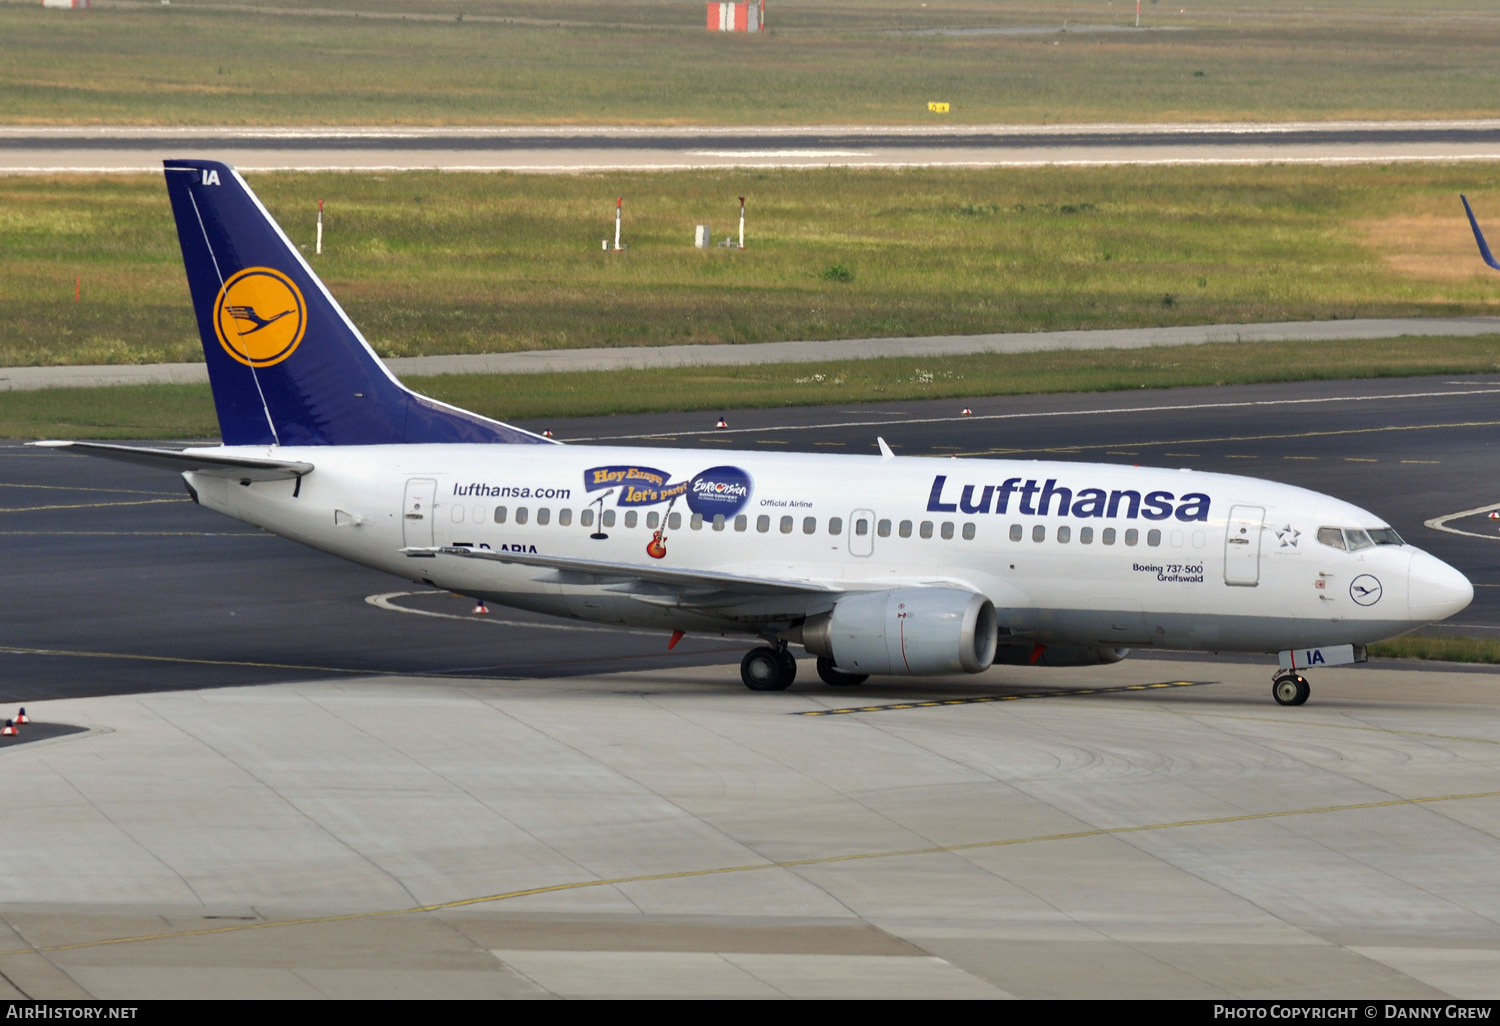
141 657
1248 404
937 702
92 505
1270 438
1441 523
793 864
583 166
87 488
752 154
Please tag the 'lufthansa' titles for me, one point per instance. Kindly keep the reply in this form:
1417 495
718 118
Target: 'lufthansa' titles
1031 499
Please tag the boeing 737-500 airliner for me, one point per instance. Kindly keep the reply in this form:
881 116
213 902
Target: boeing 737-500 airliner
877 564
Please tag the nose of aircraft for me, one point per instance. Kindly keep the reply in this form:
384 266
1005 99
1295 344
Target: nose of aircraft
1435 590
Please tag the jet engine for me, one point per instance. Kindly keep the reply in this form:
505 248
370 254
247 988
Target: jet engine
906 631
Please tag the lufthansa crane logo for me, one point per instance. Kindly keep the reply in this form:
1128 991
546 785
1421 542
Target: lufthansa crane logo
1365 590
260 317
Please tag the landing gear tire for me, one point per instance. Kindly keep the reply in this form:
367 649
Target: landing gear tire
788 665
836 677
1290 689
765 669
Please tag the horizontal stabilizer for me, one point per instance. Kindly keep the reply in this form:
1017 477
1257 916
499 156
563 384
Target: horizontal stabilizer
244 468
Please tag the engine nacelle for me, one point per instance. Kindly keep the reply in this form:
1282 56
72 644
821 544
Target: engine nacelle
1058 655
906 631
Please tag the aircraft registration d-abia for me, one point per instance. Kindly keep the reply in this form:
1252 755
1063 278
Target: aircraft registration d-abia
878 564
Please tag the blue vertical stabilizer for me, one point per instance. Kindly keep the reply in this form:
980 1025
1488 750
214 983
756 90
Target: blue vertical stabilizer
286 364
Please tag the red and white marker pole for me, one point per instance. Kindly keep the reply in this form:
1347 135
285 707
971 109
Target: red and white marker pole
742 222
619 205
320 228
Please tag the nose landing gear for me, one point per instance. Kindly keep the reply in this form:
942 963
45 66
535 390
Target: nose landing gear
1289 687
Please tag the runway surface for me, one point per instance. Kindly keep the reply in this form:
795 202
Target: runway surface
38 150
279 787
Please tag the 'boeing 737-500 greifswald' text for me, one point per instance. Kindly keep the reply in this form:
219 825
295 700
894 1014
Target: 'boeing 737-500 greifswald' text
876 564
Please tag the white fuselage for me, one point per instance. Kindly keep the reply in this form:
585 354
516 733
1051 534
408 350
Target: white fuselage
1069 553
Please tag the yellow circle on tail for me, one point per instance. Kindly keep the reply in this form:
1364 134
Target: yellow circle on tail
260 317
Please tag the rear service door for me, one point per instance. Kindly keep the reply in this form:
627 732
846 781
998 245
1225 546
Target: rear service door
416 517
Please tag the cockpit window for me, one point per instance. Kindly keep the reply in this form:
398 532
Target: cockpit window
1357 540
1331 536
1385 536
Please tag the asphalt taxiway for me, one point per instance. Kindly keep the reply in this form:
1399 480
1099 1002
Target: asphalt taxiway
287 776
26 149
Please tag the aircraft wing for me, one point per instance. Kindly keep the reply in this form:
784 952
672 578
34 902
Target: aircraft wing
668 586
243 468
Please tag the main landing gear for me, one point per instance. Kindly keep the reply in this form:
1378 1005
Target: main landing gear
1289 687
768 669
772 668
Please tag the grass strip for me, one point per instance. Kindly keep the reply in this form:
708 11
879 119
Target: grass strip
1447 649
430 263
186 411
526 62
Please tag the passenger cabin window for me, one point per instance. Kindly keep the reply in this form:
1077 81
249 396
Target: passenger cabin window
564 517
835 525
904 529
861 527
786 525
1064 534
543 517
969 531
1015 532
883 529
719 521
653 520
521 515
608 519
696 522
762 523
1107 537
457 514
674 521
478 514
809 525
947 530
1085 536
741 522
499 514
630 517
1039 533
586 518
1132 536
926 529
1153 538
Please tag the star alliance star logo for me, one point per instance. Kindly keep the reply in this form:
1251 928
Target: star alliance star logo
1288 535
